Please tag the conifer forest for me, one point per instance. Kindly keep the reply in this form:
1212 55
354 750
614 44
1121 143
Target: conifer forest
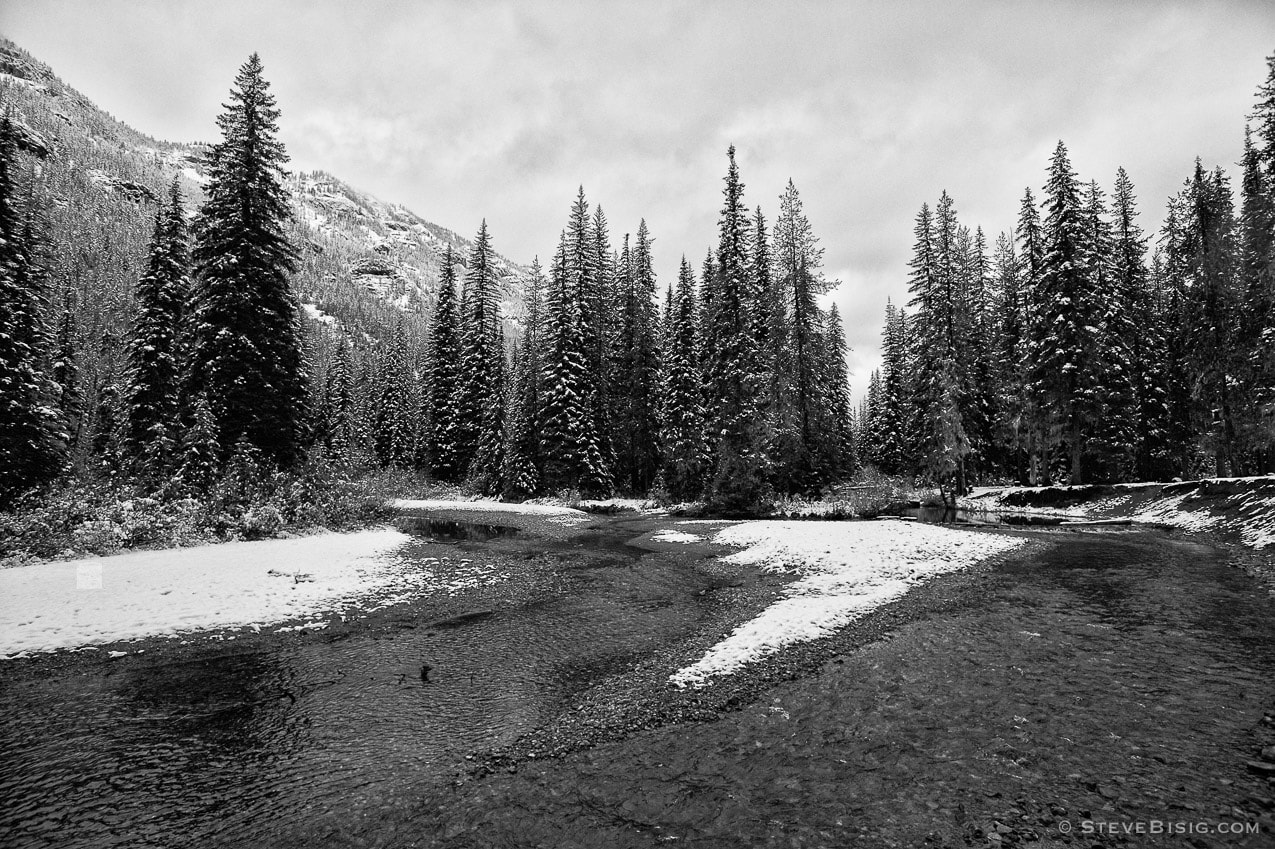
1081 344
831 425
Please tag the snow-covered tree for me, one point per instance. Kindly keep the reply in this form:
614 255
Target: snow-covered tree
686 458
32 432
245 353
153 379
734 380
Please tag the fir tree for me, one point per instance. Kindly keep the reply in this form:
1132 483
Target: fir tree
1143 333
733 372
32 432
246 348
837 442
572 455
200 451
685 455
338 405
152 381
1067 335
799 261
638 458
444 440
520 476
480 388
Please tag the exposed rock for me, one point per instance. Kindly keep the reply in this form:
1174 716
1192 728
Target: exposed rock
30 141
130 189
373 266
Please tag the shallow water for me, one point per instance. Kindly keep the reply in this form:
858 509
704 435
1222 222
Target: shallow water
297 744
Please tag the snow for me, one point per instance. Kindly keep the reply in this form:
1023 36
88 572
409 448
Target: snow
194 176
847 570
317 314
70 604
637 505
676 536
561 513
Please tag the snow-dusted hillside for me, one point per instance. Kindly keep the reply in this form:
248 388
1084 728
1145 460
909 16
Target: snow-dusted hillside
366 264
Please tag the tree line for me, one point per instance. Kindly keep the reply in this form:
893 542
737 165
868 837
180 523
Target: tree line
729 386
1079 348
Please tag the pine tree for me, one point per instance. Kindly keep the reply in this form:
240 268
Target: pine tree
480 386
1207 255
521 477
200 451
836 444
890 413
1067 341
246 348
66 373
338 405
572 457
637 457
733 368
153 379
939 389
1144 335
1034 412
1257 277
799 261
1114 430
32 433
444 440
686 458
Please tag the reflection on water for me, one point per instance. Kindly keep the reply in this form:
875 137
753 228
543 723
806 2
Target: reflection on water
340 742
447 530
961 516
307 744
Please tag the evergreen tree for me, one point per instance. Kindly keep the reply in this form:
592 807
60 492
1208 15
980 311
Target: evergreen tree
1114 430
246 348
799 261
1034 412
889 412
444 440
152 381
1144 334
200 450
686 457
480 387
1257 283
572 457
836 445
638 459
733 368
32 432
1067 341
66 373
339 434
520 476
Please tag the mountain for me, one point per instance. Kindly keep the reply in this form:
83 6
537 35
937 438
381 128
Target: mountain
366 266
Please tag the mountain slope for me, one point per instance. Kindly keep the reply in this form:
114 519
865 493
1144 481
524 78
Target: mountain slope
366 266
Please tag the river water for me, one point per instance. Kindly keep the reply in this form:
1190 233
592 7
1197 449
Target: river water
348 739
286 742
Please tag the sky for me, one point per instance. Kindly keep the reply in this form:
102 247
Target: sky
464 111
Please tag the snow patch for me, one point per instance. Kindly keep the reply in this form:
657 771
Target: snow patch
491 507
65 604
848 569
676 536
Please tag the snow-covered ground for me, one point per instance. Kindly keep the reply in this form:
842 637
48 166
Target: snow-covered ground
847 570
567 515
81 603
675 536
1245 506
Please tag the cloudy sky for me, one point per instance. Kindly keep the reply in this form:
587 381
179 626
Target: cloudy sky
499 110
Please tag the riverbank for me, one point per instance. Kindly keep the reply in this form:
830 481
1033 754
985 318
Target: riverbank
1023 703
1232 509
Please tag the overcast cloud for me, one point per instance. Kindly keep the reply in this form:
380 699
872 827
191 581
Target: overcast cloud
499 110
